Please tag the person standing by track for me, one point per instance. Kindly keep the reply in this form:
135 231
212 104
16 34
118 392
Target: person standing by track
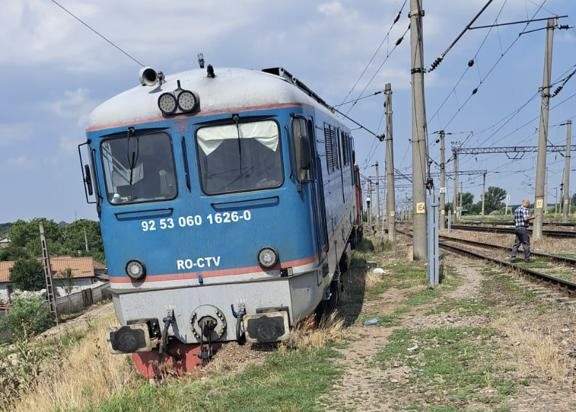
522 218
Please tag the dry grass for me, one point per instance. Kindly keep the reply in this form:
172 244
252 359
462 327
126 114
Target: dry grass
308 335
535 350
373 280
87 376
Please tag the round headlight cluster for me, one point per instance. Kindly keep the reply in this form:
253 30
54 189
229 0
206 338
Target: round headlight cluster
136 270
180 99
167 103
187 101
267 257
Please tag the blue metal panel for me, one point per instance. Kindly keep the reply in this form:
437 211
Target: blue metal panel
279 218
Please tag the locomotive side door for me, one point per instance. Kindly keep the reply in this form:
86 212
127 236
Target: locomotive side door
318 203
309 174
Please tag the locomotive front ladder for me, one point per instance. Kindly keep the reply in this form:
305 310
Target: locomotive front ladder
50 295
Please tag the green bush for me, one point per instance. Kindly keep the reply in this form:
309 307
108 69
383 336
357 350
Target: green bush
28 316
27 274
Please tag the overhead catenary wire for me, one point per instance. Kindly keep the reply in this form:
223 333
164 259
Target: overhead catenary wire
491 70
97 33
360 98
387 36
396 44
439 60
468 65
536 117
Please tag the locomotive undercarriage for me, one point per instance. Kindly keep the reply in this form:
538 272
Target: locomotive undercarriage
181 330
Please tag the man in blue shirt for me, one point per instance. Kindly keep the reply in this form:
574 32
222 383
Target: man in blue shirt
521 219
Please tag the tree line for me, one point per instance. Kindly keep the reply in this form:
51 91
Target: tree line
64 239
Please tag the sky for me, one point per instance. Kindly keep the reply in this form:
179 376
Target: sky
54 71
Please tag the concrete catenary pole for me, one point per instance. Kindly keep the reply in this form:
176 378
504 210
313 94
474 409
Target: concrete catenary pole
483 193
419 131
442 180
543 133
460 200
566 180
456 171
390 191
369 203
378 204
48 279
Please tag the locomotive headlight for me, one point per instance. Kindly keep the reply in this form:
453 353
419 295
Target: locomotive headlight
167 103
187 101
267 257
136 270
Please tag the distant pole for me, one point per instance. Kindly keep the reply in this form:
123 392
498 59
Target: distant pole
50 293
442 180
369 203
86 241
543 133
483 192
419 131
378 204
460 201
449 221
456 171
556 204
566 182
390 191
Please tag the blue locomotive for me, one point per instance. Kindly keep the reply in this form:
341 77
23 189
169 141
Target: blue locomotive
227 199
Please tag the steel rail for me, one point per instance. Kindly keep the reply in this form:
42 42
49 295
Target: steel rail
511 223
556 258
565 284
569 286
495 229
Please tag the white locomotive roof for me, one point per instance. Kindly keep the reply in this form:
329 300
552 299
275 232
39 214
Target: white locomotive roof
231 90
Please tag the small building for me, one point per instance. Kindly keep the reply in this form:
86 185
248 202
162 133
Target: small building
83 272
4 242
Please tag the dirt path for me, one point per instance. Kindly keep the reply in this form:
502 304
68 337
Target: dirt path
509 348
361 385
361 381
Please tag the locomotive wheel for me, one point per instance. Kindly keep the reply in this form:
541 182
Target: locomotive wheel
326 307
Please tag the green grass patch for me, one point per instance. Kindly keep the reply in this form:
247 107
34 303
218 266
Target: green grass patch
535 263
458 365
501 289
287 381
463 307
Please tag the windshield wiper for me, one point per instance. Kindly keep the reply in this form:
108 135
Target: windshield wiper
132 157
236 119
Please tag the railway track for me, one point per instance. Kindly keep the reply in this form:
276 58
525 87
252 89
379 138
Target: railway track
478 222
567 286
497 229
560 259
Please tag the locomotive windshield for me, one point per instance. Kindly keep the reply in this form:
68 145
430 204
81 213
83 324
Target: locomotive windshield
139 168
239 157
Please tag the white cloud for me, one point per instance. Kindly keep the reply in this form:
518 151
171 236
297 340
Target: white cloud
34 32
11 133
21 162
75 104
69 144
331 9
